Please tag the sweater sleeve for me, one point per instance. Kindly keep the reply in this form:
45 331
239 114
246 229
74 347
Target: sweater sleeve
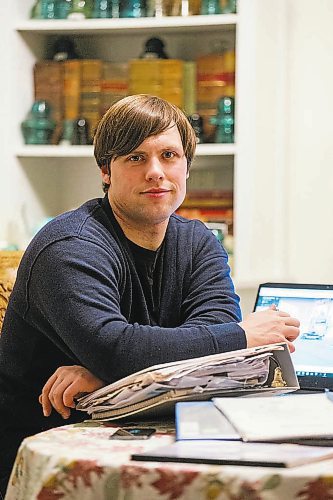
76 304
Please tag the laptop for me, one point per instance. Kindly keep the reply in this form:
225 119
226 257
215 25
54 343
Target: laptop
312 305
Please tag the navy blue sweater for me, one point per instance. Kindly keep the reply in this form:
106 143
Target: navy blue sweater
78 300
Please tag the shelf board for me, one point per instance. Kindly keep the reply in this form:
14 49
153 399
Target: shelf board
87 151
55 152
216 150
123 25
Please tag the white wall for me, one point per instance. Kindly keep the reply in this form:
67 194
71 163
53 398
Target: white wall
310 149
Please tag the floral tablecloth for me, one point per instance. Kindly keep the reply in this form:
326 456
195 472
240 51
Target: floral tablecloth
82 463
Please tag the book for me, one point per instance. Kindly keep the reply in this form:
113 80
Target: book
295 418
202 420
90 92
114 84
155 390
160 77
72 88
49 86
189 87
236 453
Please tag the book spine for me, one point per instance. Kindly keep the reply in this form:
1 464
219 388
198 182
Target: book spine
72 89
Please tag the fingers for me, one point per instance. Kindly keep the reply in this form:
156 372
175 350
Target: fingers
291 333
44 397
291 346
70 393
283 313
62 387
292 322
52 395
291 329
56 398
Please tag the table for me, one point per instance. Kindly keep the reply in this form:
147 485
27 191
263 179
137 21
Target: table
77 462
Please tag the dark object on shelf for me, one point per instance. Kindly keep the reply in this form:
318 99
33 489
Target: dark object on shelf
38 127
132 8
224 120
80 135
154 49
102 9
64 49
197 123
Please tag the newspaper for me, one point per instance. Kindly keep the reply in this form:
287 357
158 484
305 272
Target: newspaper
197 378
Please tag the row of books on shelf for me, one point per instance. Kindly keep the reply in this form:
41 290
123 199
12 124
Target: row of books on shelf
86 88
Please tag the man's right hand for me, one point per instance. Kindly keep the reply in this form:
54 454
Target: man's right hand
64 385
269 327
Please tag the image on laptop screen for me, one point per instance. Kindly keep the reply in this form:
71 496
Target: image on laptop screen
312 305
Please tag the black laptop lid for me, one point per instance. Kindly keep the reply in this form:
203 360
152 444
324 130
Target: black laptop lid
313 306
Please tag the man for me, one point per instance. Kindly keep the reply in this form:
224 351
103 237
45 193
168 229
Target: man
121 283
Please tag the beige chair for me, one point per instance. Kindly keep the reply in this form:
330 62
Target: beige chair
9 262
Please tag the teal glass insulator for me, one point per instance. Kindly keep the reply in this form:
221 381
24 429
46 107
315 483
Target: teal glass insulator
48 9
38 127
102 9
132 8
44 9
209 7
224 120
63 8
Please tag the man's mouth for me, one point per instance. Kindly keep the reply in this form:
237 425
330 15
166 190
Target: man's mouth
156 192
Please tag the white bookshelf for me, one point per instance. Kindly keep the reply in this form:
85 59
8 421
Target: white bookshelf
181 24
38 151
45 180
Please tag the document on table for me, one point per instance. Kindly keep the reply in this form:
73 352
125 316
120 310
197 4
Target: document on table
236 372
236 453
279 418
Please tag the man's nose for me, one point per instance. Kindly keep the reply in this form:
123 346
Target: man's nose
155 170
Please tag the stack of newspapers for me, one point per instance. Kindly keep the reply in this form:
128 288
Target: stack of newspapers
155 390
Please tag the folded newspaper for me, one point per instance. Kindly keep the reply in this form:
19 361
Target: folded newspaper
155 390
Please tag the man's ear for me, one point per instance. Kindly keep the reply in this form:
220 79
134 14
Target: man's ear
105 172
187 174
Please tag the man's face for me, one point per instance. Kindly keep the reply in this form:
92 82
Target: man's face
148 184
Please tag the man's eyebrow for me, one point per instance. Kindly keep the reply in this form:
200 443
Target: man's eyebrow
134 152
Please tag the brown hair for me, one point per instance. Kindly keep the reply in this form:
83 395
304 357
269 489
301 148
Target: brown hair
131 120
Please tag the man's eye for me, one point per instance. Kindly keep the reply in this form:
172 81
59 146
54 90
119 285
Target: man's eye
168 154
135 158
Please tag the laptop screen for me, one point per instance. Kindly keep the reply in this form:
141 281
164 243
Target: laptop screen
312 305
